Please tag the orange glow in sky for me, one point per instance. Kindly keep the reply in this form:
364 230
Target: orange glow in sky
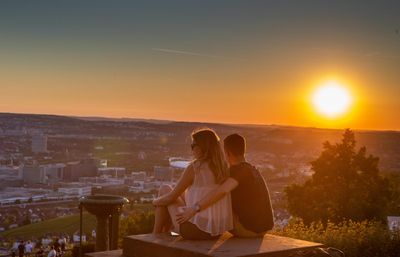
248 62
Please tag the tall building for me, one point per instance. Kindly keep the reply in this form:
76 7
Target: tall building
39 143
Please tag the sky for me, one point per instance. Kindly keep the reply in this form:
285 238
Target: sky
247 62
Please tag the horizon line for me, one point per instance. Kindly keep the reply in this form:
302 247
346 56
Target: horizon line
206 122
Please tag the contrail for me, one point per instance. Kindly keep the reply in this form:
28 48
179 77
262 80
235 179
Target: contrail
172 51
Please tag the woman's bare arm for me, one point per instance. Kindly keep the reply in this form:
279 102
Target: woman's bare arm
208 200
183 183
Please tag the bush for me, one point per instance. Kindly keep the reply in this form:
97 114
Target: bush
366 238
86 248
139 223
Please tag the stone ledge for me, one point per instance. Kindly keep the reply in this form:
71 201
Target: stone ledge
114 253
149 245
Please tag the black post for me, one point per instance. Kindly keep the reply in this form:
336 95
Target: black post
80 228
110 236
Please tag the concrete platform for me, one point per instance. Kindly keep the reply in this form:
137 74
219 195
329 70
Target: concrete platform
164 245
114 253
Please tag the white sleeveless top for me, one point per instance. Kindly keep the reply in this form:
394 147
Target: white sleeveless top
217 218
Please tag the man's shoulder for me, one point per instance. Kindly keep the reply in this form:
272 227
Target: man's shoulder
241 171
243 166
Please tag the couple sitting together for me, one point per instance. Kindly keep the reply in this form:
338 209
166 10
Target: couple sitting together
212 197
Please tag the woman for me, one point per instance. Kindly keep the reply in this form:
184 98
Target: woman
203 175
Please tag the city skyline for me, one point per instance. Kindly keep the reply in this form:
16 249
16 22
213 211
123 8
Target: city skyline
236 62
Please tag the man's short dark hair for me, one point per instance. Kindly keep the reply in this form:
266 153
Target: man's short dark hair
235 144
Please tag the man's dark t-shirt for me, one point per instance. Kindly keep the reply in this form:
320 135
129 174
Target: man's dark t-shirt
250 199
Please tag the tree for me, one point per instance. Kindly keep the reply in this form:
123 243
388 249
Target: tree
138 223
346 184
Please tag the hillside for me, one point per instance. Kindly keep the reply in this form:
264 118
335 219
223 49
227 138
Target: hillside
68 225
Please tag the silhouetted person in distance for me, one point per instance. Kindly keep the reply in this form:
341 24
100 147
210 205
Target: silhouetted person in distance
21 249
251 204
57 245
28 248
52 252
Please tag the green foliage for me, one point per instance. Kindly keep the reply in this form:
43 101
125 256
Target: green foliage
346 184
139 223
86 248
365 238
394 205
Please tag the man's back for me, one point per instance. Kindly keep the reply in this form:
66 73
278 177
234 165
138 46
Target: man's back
250 199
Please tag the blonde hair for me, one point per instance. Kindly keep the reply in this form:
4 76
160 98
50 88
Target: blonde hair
210 146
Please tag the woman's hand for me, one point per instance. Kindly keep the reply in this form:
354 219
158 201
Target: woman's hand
186 215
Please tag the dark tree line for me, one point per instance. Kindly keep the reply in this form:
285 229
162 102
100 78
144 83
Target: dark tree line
346 184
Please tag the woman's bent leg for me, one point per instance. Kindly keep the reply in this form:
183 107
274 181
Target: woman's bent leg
173 210
165 215
162 218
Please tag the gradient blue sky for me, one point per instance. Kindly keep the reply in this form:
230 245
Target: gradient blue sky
218 61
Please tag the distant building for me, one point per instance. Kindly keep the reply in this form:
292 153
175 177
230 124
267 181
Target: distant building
34 174
10 182
85 168
39 143
149 186
101 163
147 199
102 181
137 187
43 174
54 172
115 172
139 176
77 190
179 163
163 173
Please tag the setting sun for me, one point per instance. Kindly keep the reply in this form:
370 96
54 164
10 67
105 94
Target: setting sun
332 99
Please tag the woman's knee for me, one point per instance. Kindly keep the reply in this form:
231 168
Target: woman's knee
164 189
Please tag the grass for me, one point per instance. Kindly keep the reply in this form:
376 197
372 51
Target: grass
67 225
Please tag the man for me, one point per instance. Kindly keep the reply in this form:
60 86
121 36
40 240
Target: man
21 249
28 248
52 252
251 202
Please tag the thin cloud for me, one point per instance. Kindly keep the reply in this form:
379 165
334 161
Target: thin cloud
370 54
173 51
